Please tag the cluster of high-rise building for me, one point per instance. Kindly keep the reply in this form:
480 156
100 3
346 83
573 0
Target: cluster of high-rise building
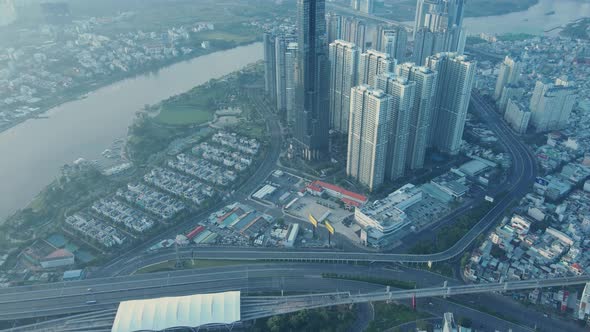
438 28
329 79
422 107
549 108
363 6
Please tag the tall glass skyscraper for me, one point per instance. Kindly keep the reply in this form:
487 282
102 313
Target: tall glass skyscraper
313 75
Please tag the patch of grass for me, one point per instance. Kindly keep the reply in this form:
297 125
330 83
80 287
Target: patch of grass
373 280
191 264
474 40
228 36
332 319
177 116
388 315
451 234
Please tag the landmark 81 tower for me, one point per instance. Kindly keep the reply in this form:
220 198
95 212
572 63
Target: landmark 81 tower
312 120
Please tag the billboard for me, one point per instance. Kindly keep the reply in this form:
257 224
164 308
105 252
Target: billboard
330 228
313 220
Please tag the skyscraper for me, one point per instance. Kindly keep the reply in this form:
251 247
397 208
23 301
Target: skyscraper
510 71
438 28
421 113
373 63
518 116
426 43
355 4
291 74
270 66
370 111
424 7
510 91
551 106
354 31
313 74
367 6
334 27
281 73
394 42
344 57
456 75
402 94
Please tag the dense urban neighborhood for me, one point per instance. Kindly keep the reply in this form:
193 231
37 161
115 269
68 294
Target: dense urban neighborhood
357 170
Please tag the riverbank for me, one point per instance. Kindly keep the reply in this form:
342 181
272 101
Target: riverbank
84 90
80 187
36 150
404 10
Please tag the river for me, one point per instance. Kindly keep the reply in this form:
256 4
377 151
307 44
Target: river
533 20
32 152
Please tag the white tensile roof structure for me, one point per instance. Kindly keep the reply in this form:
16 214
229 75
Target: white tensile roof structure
184 311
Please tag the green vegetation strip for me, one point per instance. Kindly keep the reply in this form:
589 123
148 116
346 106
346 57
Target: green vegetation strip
372 280
332 319
451 234
388 315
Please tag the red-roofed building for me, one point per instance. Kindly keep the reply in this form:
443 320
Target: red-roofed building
348 197
58 258
577 268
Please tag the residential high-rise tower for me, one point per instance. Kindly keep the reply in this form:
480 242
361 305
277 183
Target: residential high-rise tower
510 71
394 42
456 76
551 106
373 63
370 113
421 113
344 58
402 94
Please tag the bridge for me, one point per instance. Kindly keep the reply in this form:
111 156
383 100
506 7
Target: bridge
255 307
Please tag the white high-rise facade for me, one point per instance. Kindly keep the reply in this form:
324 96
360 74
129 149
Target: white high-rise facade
394 42
438 28
510 91
424 7
373 63
510 71
421 113
551 106
344 58
456 76
370 113
402 92
518 116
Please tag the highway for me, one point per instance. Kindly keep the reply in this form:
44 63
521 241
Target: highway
72 299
